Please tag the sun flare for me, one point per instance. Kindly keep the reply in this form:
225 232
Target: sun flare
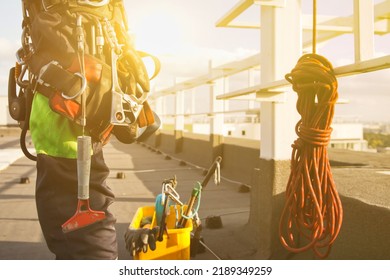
159 32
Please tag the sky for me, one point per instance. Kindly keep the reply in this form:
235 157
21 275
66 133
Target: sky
182 34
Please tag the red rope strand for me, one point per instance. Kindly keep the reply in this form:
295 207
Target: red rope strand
312 215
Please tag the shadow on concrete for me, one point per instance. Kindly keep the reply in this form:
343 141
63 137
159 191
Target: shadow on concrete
365 232
123 254
24 251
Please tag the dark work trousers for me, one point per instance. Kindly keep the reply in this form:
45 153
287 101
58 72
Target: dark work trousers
56 200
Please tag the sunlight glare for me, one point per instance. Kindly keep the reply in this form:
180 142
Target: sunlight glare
158 32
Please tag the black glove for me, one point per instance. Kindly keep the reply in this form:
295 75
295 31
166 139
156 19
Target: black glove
140 239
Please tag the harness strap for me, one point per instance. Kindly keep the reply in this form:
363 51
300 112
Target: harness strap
70 81
156 61
72 109
61 80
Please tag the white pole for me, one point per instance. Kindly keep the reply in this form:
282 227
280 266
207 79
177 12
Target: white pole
363 11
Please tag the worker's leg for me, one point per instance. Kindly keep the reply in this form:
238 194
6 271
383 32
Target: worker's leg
56 198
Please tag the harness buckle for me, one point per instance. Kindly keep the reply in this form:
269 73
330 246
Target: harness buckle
82 88
45 68
43 71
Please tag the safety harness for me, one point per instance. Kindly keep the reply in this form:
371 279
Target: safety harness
75 47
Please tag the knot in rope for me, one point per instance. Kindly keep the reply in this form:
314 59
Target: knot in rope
312 215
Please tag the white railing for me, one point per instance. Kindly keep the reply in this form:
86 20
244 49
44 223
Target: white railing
216 81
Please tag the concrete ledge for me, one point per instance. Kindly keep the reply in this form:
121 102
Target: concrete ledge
10 131
239 156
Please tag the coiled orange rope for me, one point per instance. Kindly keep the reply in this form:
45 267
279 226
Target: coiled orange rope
312 215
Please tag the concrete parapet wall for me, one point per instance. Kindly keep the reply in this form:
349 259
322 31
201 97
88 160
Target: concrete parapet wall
164 141
196 149
239 156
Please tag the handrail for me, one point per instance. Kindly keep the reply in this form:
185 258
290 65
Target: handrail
248 112
215 73
276 87
272 90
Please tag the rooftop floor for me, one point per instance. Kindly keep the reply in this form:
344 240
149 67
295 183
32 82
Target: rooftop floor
361 178
144 170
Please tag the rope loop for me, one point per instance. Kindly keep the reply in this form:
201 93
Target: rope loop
314 136
312 215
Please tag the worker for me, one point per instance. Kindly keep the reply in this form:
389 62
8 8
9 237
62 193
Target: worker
53 53
55 141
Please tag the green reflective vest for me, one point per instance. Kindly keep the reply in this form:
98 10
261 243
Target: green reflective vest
51 133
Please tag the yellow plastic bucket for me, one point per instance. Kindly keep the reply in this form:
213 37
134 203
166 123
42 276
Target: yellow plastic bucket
175 245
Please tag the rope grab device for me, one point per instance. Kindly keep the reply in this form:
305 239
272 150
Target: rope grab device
312 215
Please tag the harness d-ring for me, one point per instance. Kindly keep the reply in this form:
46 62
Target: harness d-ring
82 89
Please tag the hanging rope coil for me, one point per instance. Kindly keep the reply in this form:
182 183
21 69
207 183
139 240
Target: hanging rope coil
312 215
